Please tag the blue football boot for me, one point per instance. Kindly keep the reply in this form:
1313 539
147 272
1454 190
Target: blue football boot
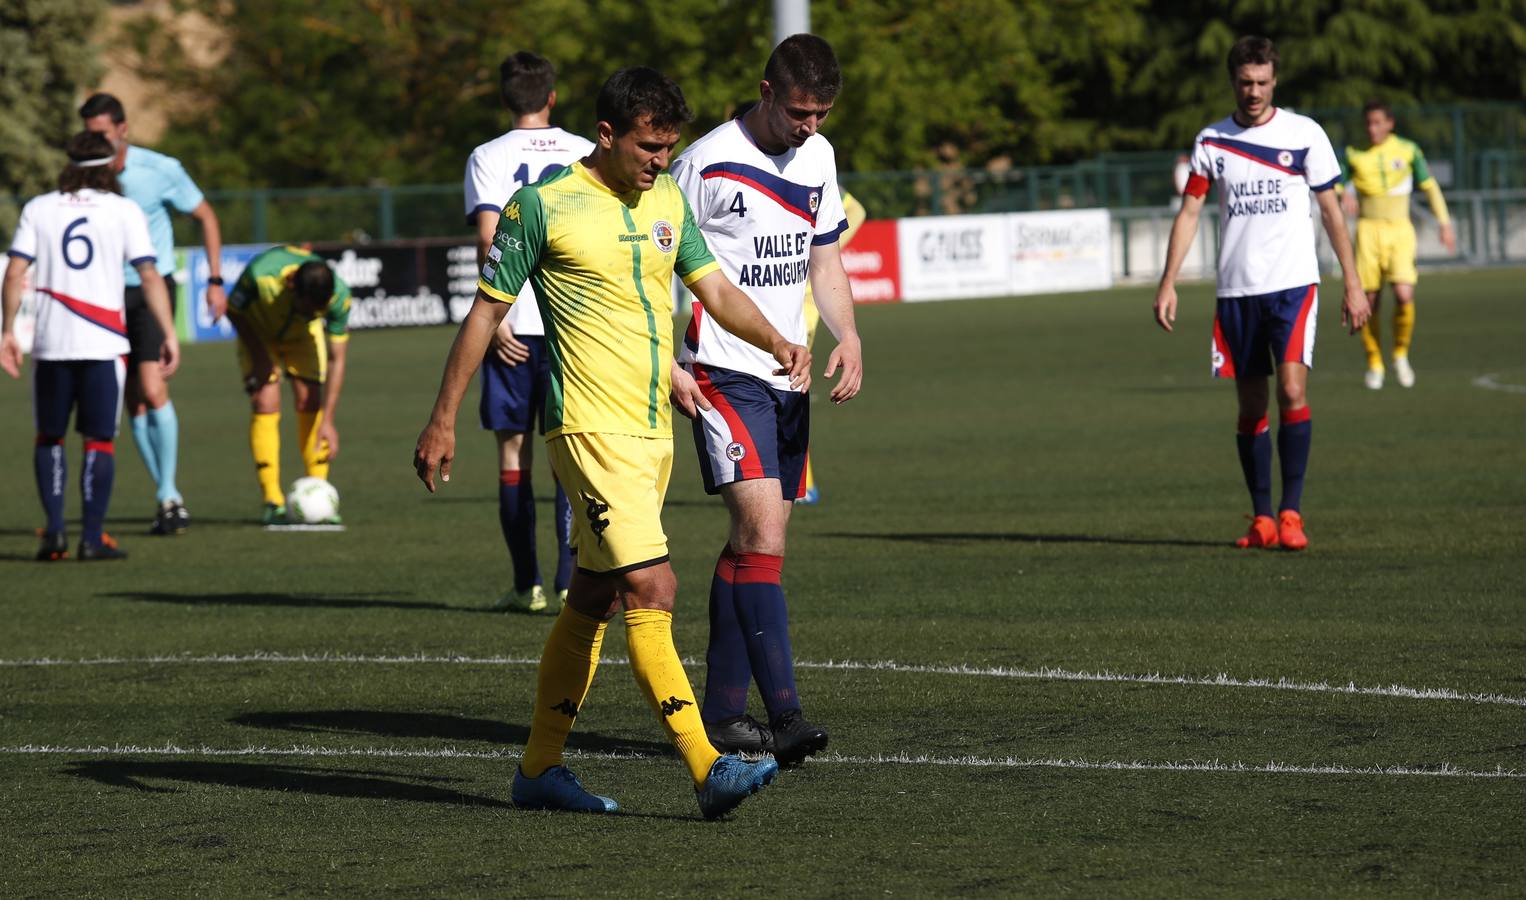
557 788
733 779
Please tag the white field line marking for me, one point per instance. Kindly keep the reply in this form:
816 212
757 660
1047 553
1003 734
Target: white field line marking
1043 673
1492 383
1007 762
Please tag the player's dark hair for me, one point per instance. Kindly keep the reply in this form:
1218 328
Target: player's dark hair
1376 105
806 62
103 104
315 282
641 92
525 81
88 146
1252 50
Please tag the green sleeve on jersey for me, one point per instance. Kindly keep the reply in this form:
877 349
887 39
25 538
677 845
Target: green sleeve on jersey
693 253
245 290
517 246
1422 171
336 320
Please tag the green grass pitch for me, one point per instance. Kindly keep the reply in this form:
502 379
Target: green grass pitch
1029 489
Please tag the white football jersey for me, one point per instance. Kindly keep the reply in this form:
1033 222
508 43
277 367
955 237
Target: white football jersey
1265 174
760 215
77 244
504 165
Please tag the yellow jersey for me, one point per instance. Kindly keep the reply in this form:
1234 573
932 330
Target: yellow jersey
602 266
262 296
1385 174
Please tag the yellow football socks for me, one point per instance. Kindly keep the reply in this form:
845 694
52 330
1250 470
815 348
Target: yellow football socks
265 444
1373 344
315 458
661 676
566 672
1404 327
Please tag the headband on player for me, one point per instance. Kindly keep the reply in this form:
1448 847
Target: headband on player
91 163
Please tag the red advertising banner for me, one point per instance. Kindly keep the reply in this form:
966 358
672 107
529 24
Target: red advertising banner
873 263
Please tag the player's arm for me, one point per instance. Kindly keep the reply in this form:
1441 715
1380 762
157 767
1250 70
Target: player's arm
735 312
333 385
834 300
15 285
508 348
212 241
437 443
1354 309
1427 183
157 297
1183 230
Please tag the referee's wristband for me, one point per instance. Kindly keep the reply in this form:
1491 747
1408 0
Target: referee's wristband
216 279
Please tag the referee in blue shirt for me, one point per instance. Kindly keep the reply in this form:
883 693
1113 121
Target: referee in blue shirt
158 184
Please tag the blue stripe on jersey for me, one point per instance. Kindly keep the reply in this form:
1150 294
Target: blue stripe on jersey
830 237
1321 188
143 259
1269 156
794 197
19 255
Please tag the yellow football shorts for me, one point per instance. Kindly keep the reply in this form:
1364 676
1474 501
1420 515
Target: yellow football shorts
616 484
1385 251
304 356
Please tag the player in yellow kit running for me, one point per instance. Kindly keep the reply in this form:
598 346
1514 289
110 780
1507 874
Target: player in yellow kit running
600 241
1382 177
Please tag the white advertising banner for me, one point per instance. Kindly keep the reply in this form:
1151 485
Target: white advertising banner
944 257
1064 250
948 257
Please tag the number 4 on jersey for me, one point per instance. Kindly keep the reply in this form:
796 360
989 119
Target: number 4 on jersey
737 206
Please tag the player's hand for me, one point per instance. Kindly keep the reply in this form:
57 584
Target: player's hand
1348 203
1355 310
328 433
795 361
849 355
1165 306
10 356
507 347
217 301
436 448
686 393
169 355
1449 237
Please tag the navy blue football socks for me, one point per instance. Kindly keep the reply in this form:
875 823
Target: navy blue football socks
1293 439
95 484
52 472
1254 441
728 676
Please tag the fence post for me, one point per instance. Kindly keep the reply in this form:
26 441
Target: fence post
386 213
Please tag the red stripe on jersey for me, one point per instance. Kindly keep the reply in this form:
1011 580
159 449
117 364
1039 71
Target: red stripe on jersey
109 319
1250 156
691 335
751 463
734 176
1294 351
1295 416
1197 186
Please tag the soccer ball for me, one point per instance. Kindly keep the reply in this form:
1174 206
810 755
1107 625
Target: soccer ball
311 501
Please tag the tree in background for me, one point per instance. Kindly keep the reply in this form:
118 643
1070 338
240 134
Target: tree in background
46 57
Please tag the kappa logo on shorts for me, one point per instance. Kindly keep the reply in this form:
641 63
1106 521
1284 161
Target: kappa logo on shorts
1285 158
566 708
735 451
596 510
673 705
662 235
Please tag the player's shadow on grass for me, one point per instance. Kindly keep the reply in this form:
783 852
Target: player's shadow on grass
350 783
1015 537
302 600
391 723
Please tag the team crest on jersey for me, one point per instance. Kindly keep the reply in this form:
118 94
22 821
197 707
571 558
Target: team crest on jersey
511 212
662 235
815 200
1396 165
1285 158
735 451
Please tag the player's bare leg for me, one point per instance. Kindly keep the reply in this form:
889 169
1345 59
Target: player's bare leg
516 518
1404 330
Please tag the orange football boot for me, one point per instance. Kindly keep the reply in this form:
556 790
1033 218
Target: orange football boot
1262 533
1290 530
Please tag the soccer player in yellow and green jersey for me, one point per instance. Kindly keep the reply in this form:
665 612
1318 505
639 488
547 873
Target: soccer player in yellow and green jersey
1382 177
292 316
600 242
